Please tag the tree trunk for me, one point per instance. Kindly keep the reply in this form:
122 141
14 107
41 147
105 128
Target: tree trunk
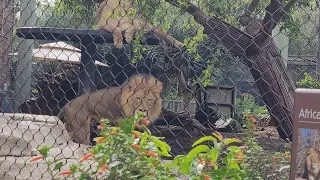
275 84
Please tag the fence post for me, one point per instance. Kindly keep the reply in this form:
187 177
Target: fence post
24 62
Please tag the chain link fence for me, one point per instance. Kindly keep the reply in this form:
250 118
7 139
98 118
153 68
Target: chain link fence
215 63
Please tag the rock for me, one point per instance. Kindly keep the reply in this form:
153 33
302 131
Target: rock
22 168
22 134
228 125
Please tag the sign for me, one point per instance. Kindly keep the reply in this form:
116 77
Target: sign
305 153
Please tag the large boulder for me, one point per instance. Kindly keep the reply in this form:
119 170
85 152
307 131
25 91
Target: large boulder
22 134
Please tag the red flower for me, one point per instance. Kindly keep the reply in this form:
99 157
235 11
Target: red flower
100 139
145 122
104 167
136 135
134 146
275 158
85 157
68 172
37 158
100 126
152 154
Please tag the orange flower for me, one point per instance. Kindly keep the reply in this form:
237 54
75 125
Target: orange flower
145 122
134 146
113 133
206 177
275 158
218 135
100 126
136 135
104 167
100 139
152 154
85 157
68 172
37 158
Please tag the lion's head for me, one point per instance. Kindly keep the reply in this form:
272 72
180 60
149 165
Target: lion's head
141 93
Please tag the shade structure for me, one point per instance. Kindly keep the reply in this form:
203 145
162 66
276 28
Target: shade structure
59 51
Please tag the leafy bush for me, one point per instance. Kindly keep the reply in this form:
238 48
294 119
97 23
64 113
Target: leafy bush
122 153
246 103
308 82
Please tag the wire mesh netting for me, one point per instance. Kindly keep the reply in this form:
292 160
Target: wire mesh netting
192 69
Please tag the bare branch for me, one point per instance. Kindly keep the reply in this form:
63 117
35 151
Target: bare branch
246 18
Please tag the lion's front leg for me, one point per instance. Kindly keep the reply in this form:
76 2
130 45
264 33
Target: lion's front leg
79 129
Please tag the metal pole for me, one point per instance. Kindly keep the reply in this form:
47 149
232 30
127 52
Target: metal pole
318 51
24 64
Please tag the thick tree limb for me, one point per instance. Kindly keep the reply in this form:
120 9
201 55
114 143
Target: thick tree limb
266 65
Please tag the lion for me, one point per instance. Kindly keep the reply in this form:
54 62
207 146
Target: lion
312 164
139 93
113 18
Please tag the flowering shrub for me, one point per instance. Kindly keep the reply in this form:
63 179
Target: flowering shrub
260 163
218 162
123 153
120 153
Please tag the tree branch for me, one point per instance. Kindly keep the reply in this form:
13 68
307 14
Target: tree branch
246 18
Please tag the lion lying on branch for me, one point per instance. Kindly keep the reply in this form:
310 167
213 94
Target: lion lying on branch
113 18
139 93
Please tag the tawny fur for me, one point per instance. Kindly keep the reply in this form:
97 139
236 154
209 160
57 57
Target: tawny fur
113 18
139 93
312 164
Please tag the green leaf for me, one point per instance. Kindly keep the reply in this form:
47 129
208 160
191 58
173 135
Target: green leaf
231 140
201 140
214 155
44 150
58 166
199 149
160 143
234 165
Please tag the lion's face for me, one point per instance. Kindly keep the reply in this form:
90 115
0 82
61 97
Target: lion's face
141 93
